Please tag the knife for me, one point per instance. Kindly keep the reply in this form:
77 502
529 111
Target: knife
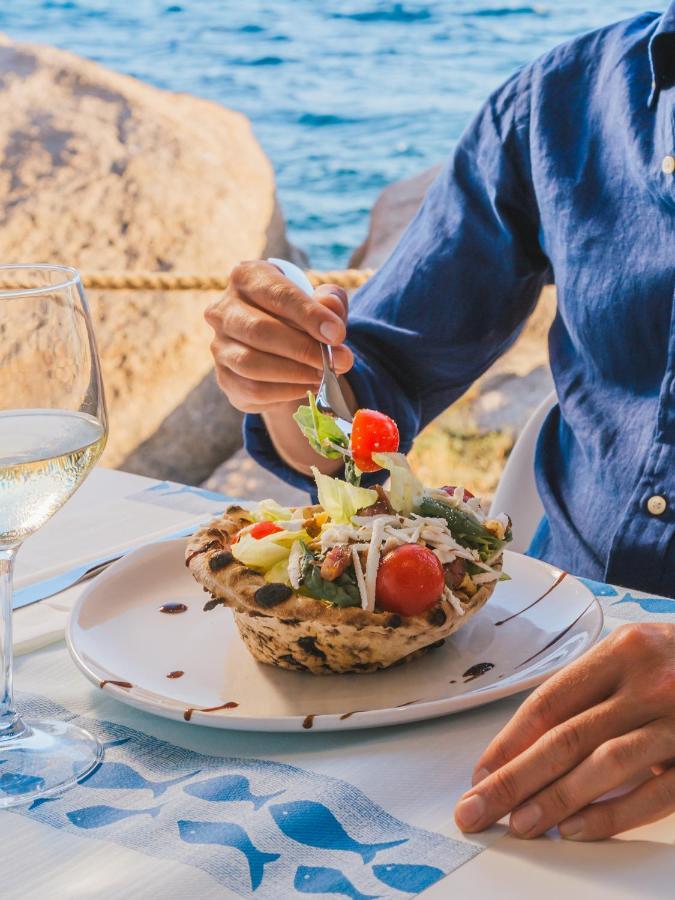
41 590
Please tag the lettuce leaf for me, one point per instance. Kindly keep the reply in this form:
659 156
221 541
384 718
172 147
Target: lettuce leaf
406 490
279 573
264 553
340 499
271 511
320 429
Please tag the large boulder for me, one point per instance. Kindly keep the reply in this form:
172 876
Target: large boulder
103 172
393 210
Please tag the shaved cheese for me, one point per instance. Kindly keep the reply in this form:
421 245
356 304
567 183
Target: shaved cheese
360 581
444 556
373 561
368 520
415 536
475 505
485 577
374 536
453 601
294 558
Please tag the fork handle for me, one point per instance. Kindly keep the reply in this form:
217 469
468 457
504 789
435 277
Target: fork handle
297 276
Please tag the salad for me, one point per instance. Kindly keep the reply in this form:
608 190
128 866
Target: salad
362 580
399 550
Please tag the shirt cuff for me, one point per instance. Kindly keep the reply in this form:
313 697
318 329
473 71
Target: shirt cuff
374 389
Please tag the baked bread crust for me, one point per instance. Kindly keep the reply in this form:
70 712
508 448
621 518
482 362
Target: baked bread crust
285 629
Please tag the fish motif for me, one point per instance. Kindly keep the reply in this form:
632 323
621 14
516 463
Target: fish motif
314 825
321 880
657 605
229 789
413 879
14 783
99 816
598 588
227 834
119 775
40 801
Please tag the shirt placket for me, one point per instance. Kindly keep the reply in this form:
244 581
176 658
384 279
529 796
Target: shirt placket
645 540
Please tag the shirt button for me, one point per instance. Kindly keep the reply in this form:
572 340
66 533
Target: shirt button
656 505
668 165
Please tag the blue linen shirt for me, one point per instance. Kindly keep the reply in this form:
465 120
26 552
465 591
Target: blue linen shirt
566 176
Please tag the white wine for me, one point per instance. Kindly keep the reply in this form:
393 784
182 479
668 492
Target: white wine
45 455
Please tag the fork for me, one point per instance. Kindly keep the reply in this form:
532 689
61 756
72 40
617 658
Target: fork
329 399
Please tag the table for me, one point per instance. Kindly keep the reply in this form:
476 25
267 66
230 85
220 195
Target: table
413 774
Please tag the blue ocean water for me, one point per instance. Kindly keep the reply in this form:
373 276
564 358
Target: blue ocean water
345 96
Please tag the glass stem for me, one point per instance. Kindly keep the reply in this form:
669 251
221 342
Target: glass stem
10 724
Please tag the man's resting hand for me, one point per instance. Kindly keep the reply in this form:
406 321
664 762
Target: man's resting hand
601 723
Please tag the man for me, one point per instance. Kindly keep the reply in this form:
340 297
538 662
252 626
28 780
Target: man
567 174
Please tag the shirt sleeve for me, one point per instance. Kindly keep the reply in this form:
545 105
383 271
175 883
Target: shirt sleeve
456 291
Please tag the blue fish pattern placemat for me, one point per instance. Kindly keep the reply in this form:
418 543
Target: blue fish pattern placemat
255 826
631 606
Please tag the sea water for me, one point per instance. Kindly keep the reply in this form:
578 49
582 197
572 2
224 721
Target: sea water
346 96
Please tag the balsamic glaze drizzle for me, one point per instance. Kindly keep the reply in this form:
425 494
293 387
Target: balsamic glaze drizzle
538 600
476 671
172 609
187 715
557 637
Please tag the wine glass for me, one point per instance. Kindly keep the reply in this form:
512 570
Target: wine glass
53 428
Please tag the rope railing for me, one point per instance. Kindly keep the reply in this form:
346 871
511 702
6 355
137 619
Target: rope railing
349 279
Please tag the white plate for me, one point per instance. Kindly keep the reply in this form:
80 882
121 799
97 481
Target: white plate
117 633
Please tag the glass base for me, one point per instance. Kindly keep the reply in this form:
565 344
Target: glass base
44 758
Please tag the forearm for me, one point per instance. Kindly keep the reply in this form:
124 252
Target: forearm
292 445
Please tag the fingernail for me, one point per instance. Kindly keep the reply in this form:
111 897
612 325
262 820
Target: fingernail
331 331
325 290
524 819
479 775
571 829
470 811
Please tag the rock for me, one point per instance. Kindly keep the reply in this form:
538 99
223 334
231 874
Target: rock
393 210
242 477
192 440
103 172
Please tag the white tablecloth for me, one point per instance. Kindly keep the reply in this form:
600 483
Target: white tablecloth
403 781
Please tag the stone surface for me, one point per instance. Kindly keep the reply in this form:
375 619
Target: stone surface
241 476
393 209
103 172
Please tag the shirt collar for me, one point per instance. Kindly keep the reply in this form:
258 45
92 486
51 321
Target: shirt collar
662 53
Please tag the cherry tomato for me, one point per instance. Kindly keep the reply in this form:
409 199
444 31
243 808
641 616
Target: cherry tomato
410 579
262 529
451 488
372 432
